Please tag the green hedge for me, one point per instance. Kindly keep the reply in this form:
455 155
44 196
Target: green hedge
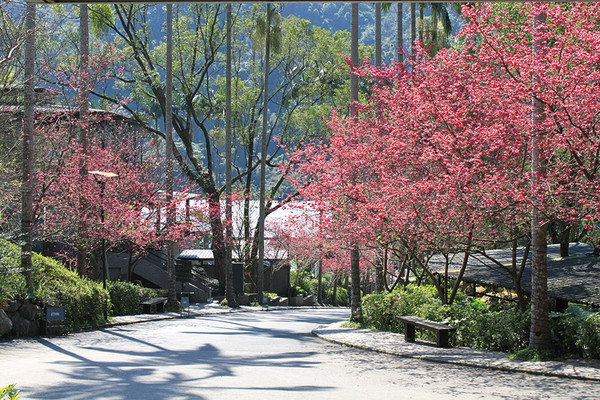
84 299
577 332
12 283
500 327
480 327
125 297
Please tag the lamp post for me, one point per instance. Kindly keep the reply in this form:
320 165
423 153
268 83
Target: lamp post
100 177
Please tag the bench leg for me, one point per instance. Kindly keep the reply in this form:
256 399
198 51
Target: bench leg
410 333
442 338
160 307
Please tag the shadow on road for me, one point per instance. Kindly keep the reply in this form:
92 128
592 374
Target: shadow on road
136 368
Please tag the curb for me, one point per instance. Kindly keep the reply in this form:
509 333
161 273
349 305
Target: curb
395 345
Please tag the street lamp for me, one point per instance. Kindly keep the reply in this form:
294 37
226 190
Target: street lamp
100 177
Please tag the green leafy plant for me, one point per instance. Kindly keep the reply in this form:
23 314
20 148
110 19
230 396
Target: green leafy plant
531 355
577 332
9 393
125 297
82 298
478 325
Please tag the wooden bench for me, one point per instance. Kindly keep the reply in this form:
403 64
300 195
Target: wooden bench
442 330
156 304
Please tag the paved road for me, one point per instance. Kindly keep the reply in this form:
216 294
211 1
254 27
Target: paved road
267 355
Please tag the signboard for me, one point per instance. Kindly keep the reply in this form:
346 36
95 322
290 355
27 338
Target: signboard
185 302
54 314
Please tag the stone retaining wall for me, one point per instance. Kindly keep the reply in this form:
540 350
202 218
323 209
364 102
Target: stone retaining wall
19 318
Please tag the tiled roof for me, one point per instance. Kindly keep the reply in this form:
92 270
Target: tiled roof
575 278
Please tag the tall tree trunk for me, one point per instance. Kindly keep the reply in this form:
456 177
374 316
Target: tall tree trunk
378 34
28 149
539 335
413 28
228 270
171 293
421 18
399 33
320 282
380 267
565 235
263 164
84 52
354 252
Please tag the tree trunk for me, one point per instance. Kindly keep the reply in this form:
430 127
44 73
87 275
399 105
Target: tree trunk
518 274
413 28
380 266
228 270
82 126
28 149
463 268
171 293
421 18
565 235
539 335
378 34
320 283
263 165
354 252
334 291
399 33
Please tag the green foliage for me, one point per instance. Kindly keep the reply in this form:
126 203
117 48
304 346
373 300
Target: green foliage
505 329
9 393
299 291
577 332
478 326
350 324
125 297
341 295
531 355
101 15
83 299
380 311
12 282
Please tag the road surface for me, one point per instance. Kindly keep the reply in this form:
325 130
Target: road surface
256 355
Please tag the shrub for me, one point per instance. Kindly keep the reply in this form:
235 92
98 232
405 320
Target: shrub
380 311
504 329
125 297
577 332
82 298
590 336
341 296
12 283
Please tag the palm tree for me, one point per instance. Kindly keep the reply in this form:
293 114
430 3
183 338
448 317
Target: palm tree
440 11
